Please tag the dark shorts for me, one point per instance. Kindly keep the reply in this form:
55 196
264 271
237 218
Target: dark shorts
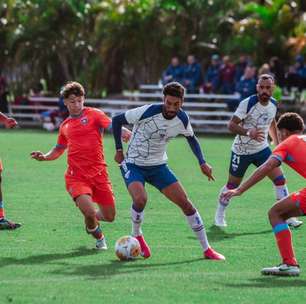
240 163
158 176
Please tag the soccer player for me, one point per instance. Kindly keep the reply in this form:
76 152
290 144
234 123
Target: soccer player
86 176
146 161
5 223
252 121
292 151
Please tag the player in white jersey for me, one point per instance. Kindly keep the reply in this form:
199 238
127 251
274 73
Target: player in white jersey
146 161
253 120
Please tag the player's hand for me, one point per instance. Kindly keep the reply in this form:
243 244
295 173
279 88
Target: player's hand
38 155
10 123
226 196
257 134
126 134
207 170
119 157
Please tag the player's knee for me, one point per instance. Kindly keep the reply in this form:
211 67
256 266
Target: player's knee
90 215
110 217
273 215
140 201
279 180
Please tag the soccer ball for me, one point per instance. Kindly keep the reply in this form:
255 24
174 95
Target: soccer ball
127 248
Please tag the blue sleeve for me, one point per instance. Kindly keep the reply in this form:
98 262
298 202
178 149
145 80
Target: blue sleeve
196 149
117 122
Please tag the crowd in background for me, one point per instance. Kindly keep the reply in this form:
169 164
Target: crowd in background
226 77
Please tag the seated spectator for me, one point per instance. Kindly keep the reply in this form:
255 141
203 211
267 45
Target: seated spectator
277 69
212 75
227 76
174 72
240 66
53 118
265 69
292 79
301 69
192 75
246 86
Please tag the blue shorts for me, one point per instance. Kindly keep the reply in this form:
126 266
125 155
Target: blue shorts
158 176
240 163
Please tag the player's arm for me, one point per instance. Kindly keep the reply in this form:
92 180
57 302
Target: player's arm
197 151
257 176
253 133
7 121
117 123
273 132
53 154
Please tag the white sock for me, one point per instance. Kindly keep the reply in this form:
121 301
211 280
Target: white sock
137 218
222 203
196 224
281 192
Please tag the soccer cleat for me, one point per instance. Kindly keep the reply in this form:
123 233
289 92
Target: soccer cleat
8 225
101 244
282 270
145 249
211 254
294 222
220 217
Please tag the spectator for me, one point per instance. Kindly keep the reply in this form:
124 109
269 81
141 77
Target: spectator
301 70
240 67
293 79
246 86
277 69
212 75
265 69
3 95
227 76
192 75
174 72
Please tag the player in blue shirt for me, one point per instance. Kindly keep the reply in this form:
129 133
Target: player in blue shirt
146 161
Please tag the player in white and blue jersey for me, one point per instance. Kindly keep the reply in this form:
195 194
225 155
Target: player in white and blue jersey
253 120
146 161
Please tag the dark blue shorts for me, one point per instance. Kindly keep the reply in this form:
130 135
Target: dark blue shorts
158 176
240 163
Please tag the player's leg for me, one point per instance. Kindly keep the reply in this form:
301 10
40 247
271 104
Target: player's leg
177 195
87 208
281 191
5 224
134 178
293 205
237 169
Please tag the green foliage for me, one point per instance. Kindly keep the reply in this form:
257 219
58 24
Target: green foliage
119 44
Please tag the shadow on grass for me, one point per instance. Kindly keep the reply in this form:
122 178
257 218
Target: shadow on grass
47 258
269 282
116 267
218 234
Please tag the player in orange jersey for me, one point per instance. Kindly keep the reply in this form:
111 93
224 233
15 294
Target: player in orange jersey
86 176
5 223
292 151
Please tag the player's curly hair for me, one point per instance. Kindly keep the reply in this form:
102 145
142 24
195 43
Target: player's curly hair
174 89
291 121
72 87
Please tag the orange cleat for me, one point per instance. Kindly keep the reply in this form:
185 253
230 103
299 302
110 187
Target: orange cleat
211 254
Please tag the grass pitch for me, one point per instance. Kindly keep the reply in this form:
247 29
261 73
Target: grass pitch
51 260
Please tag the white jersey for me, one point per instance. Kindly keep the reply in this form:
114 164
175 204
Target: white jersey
151 132
254 115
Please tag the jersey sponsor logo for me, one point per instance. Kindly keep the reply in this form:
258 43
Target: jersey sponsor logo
84 121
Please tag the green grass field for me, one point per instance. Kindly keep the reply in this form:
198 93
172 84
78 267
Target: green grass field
51 260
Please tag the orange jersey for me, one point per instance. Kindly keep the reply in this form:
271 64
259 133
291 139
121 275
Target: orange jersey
82 136
292 151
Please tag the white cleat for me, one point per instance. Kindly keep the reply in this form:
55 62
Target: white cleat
220 217
294 222
282 270
101 244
